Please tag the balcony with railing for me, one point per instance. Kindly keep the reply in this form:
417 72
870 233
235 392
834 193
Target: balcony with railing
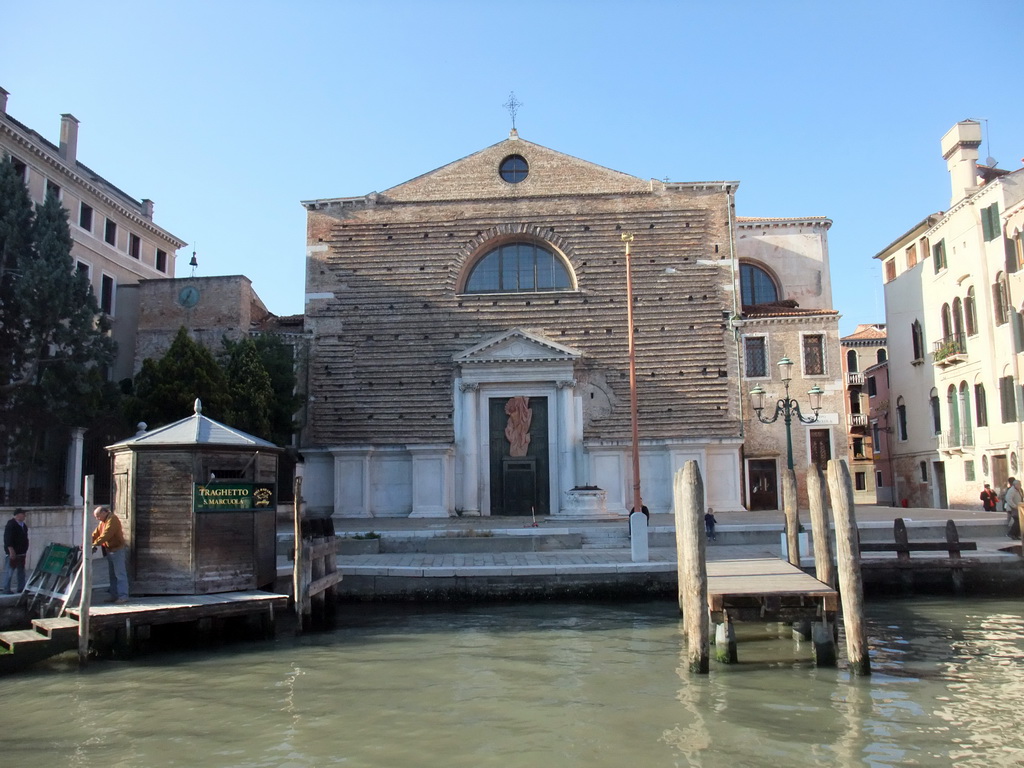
955 441
854 379
858 419
950 350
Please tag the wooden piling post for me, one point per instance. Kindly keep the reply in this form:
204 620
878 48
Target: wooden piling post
691 565
824 565
299 587
851 588
86 602
789 504
725 641
953 541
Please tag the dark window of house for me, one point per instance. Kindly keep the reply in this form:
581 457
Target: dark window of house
756 357
518 268
52 188
901 419
107 294
936 413
980 405
1000 300
110 232
1007 399
990 222
1010 252
924 471
134 245
881 356
83 269
939 256
161 260
872 386
756 286
851 361
858 447
918 340
971 312
860 481
514 169
20 169
821 448
85 217
814 354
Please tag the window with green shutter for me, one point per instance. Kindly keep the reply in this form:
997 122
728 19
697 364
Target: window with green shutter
990 222
939 256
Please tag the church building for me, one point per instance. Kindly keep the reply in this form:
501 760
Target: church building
469 345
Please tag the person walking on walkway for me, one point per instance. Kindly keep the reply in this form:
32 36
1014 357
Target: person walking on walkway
16 550
989 498
709 524
110 537
1012 498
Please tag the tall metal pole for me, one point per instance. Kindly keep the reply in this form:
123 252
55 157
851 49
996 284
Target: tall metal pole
627 237
789 429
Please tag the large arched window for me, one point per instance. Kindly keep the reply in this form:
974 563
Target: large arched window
756 286
518 268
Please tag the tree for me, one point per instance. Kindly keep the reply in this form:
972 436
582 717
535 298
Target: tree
278 361
16 225
165 390
252 395
54 346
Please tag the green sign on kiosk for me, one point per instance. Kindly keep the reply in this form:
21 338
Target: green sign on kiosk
233 497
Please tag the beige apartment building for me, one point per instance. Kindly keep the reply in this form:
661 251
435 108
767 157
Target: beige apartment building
115 240
953 297
785 299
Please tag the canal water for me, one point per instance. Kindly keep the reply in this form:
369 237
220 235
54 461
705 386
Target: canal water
537 685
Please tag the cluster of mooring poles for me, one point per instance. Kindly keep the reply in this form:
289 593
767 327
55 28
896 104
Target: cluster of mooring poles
756 589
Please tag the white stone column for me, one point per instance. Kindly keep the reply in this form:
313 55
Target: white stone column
471 448
432 480
73 480
352 481
566 431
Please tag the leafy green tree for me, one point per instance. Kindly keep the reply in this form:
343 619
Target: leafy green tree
16 235
278 361
252 395
57 350
165 390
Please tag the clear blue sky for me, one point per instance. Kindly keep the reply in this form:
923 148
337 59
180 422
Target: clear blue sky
228 113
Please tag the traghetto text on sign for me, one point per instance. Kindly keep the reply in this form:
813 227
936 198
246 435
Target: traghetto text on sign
233 497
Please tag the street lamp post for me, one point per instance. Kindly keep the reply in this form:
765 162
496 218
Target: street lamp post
786 406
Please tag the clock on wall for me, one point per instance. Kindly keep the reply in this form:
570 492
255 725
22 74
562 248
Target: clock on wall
188 297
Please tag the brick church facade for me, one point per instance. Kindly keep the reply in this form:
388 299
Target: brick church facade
489 296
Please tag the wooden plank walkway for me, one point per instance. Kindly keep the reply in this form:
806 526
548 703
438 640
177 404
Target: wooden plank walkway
169 609
767 589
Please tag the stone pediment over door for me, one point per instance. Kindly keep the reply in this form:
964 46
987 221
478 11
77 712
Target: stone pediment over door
517 355
516 346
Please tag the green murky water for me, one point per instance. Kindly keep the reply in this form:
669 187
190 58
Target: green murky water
550 684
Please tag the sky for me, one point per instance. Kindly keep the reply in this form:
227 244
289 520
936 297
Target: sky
227 114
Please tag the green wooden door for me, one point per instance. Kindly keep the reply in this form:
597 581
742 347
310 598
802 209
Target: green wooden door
519 484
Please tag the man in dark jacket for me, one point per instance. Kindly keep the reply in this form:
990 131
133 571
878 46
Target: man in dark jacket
16 549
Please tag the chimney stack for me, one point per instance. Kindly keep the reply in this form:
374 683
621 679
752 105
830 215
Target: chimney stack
3 101
69 139
960 150
147 209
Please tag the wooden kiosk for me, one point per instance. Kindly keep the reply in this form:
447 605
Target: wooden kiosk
198 503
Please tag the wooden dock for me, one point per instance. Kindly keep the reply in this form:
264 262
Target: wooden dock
133 620
766 589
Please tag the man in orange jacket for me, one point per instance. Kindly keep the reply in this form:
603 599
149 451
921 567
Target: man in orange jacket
110 537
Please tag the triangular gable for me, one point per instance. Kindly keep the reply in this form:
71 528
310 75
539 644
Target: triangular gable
517 346
550 173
